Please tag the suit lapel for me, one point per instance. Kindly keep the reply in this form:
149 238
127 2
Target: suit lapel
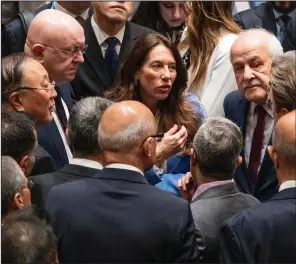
94 57
268 18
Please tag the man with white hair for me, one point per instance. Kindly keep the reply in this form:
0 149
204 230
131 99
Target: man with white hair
250 108
56 40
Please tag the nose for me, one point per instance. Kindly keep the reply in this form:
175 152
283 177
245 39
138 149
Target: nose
177 12
248 73
166 72
53 93
79 57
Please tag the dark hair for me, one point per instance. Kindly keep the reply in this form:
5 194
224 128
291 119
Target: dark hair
12 182
175 109
12 72
83 124
17 134
26 239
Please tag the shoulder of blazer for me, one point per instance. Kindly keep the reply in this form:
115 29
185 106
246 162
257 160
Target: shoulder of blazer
43 7
135 30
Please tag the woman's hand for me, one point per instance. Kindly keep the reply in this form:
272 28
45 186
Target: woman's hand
172 143
187 186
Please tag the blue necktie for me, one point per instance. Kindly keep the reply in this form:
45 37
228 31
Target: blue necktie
282 21
111 56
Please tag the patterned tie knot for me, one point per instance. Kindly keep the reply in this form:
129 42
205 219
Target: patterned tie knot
112 41
283 20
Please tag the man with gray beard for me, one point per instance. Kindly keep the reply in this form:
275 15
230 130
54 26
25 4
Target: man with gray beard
250 108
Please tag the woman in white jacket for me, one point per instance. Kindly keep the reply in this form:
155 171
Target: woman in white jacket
205 47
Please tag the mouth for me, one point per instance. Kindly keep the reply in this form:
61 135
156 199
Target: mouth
119 7
52 108
164 88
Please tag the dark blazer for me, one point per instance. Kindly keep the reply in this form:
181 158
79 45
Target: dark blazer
259 17
119 217
210 209
44 182
48 134
236 109
92 77
263 234
14 36
43 162
289 42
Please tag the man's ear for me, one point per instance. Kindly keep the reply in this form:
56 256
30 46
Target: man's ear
38 52
23 163
273 155
18 200
16 101
239 161
67 136
148 147
192 154
282 112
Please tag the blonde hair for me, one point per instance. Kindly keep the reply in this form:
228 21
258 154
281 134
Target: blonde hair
203 33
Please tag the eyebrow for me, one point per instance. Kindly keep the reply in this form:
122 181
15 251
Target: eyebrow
158 61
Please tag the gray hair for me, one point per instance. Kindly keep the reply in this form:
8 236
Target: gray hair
283 81
127 139
12 182
83 124
217 144
274 46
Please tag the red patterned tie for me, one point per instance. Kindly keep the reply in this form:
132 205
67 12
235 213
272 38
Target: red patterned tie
257 144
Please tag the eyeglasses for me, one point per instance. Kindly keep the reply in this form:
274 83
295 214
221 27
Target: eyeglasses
30 185
158 138
72 52
49 90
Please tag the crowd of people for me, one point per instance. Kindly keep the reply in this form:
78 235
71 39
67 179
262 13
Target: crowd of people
162 133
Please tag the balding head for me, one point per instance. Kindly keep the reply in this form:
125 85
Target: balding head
283 151
51 37
251 57
126 128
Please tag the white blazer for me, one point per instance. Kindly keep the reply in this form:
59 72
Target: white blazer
220 79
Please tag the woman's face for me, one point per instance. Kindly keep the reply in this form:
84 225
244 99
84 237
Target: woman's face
173 13
157 74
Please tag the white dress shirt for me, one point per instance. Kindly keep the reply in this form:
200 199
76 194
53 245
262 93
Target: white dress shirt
84 14
124 167
287 185
102 36
61 131
250 127
219 79
277 15
86 163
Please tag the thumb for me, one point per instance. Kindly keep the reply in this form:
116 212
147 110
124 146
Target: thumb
172 131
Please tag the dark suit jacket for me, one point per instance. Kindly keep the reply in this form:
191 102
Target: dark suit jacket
119 217
43 162
289 42
92 77
210 210
236 109
259 17
14 37
48 134
44 182
263 234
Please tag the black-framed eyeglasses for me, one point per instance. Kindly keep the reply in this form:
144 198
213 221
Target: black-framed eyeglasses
49 90
158 138
72 52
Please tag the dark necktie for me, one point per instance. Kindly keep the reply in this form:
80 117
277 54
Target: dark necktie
111 56
283 21
80 20
257 144
60 109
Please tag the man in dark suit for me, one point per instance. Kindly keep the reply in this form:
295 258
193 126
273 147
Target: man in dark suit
59 47
273 16
14 35
87 155
118 216
110 38
289 42
250 108
214 158
266 233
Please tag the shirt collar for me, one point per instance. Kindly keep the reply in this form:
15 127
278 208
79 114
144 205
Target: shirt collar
277 14
267 107
124 167
102 36
86 163
287 184
84 14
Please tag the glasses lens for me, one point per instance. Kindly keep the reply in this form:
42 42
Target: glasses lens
30 185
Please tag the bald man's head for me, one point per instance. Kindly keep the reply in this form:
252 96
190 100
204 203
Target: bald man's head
284 139
56 40
125 125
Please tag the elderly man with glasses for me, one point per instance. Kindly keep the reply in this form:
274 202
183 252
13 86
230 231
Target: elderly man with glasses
56 40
